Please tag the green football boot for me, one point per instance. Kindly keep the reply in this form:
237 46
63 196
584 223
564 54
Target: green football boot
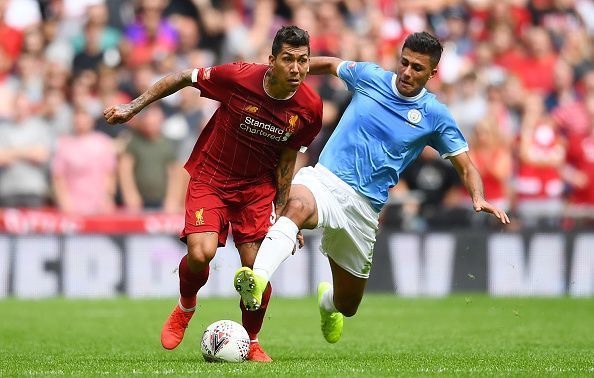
250 287
331 321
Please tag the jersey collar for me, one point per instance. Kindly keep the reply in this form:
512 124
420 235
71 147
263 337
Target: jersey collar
406 98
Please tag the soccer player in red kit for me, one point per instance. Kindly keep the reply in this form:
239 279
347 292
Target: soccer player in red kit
242 165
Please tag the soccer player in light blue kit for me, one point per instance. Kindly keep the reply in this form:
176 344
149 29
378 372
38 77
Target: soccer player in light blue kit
389 121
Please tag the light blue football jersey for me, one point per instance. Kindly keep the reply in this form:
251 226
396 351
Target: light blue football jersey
381 132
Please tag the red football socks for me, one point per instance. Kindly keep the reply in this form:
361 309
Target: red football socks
252 320
190 283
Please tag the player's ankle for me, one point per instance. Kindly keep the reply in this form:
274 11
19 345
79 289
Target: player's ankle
187 303
327 301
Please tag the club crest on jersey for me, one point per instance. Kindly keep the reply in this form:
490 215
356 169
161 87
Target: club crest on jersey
251 108
199 217
414 116
292 123
351 65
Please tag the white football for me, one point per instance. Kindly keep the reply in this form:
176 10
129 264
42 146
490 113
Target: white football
225 341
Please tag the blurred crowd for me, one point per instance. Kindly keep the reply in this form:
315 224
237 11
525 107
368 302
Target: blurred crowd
517 75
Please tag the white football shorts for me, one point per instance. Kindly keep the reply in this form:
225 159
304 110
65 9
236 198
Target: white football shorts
350 223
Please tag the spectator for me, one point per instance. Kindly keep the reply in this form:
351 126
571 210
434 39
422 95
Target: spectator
57 112
570 111
542 152
107 37
8 85
579 171
514 48
577 52
147 167
149 38
470 105
22 14
564 91
92 55
31 77
12 38
435 183
83 169
491 154
535 69
25 144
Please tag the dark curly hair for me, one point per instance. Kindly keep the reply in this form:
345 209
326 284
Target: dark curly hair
291 35
425 43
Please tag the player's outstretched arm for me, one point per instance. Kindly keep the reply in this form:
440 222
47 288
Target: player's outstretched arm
474 184
324 65
168 85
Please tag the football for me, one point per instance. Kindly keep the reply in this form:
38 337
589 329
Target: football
225 341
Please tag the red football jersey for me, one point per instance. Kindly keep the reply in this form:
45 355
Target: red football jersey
242 142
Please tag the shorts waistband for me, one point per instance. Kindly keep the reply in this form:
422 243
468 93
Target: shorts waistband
337 181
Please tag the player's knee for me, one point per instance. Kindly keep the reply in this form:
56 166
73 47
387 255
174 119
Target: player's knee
294 205
297 210
199 258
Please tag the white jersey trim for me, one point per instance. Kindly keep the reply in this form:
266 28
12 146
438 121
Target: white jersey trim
338 67
338 73
194 75
457 152
406 98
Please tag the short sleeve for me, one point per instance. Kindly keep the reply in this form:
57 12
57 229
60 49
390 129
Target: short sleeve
216 82
132 147
447 138
353 72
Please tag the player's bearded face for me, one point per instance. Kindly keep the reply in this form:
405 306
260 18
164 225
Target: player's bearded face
414 70
290 67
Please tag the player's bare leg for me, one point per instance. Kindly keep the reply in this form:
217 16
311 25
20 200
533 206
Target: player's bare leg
193 274
252 320
338 300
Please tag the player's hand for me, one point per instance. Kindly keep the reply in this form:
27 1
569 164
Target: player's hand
119 113
484 206
299 241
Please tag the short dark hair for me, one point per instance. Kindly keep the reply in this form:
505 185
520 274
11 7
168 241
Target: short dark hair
424 43
291 35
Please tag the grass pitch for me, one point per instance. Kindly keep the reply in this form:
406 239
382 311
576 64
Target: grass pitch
390 336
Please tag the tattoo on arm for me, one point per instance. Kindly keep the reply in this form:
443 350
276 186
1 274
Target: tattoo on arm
284 176
162 88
